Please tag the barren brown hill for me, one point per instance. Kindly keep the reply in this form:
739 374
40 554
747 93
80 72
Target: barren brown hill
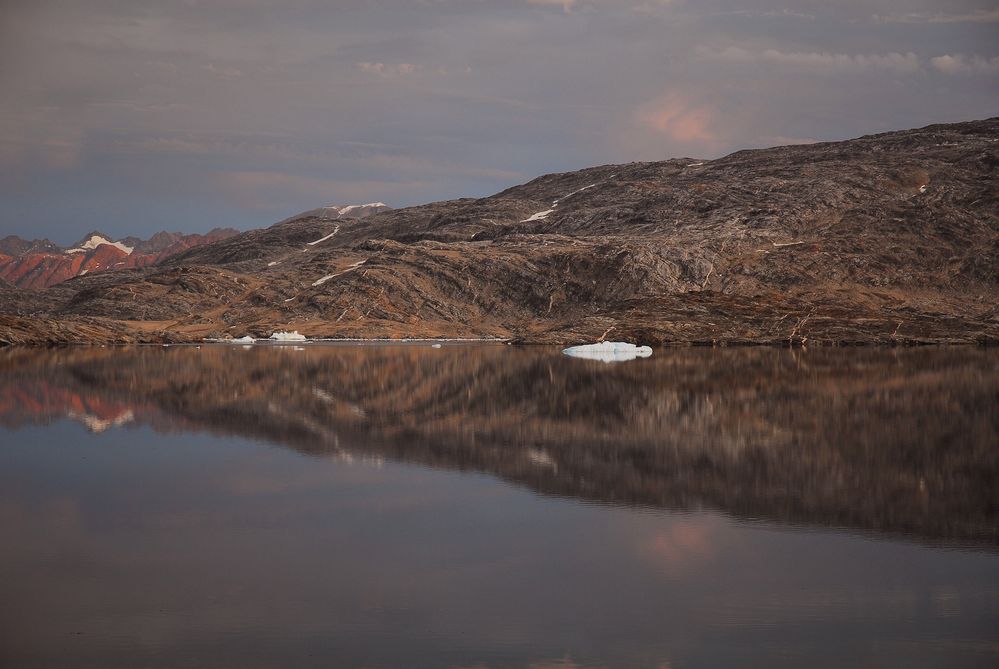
890 238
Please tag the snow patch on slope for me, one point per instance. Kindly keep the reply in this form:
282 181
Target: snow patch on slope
323 239
97 240
349 208
319 282
540 216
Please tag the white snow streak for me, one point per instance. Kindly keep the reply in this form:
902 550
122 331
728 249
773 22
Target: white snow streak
335 230
326 278
540 216
566 197
352 207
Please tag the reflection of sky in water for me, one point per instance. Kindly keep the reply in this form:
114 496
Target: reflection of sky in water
135 548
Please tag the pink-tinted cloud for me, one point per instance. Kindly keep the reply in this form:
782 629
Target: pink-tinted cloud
680 119
965 65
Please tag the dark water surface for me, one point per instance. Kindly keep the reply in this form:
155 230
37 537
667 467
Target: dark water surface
489 506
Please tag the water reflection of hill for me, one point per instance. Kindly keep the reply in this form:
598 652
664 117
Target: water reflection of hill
897 441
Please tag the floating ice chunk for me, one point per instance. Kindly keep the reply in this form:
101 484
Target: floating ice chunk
244 340
609 351
435 346
287 336
540 216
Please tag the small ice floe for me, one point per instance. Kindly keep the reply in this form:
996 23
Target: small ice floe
435 346
287 336
608 351
540 216
228 340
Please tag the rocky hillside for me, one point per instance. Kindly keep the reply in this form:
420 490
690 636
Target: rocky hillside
39 264
890 238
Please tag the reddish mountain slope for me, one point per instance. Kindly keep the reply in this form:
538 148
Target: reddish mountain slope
39 264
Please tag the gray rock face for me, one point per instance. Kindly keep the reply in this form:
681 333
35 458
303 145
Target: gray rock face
888 238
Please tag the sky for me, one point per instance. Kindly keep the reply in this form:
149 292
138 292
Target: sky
133 116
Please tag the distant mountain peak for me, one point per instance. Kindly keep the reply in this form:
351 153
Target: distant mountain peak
95 239
39 264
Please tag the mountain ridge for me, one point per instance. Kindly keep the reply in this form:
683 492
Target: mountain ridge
39 264
888 238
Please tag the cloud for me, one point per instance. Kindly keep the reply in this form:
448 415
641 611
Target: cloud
820 62
641 6
566 5
145 102
959 64
679 118
281 192
980 16
387 70
222 71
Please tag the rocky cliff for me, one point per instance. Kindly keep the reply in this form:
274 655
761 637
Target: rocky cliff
890 238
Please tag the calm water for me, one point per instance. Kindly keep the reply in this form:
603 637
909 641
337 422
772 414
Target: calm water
489 506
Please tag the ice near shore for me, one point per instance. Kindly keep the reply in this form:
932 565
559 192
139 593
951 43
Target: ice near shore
287 336
608 351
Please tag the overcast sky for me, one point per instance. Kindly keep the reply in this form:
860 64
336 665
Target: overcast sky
132 116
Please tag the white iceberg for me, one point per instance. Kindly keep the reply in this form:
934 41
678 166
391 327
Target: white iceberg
609 351
244 340
287 336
